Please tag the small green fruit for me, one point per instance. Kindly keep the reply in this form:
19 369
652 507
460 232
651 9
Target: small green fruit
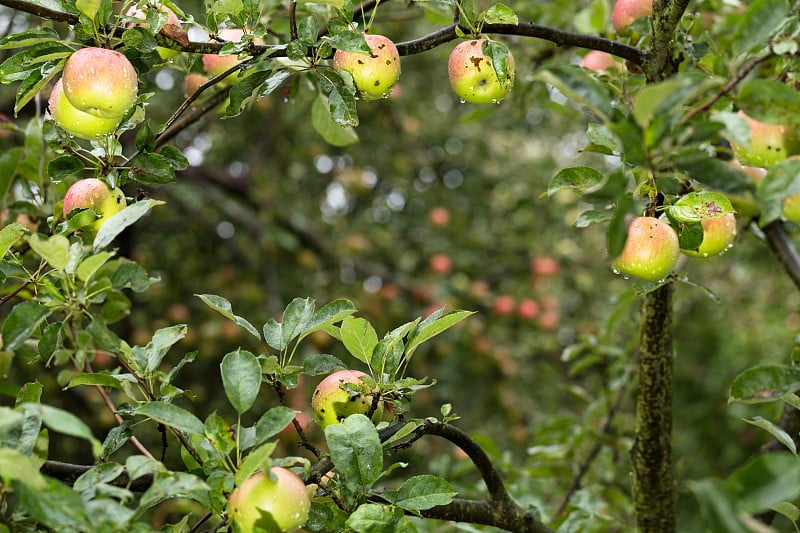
651 250
718 236
273 505
331 403
473 77
373 74
94 194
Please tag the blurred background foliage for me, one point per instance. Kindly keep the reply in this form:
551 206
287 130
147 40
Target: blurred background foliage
441 204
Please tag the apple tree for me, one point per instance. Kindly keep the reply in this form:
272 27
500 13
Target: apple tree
564 207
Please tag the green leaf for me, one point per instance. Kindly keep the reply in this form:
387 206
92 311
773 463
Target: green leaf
244 90
329 314
356 451
28 38
713 172
374 518
333 133
427 330
316 364
241 378
9 236
35 81
54 250
21 322
776 431
341 97
758 23
163 339
769 101
359 337
763 481
14 465
349 41
498 54
20 65
307 30
117 223
699 206
579 179
273 422
787 509
89 266
258 459
422 492
132 275
764 383
599 134
104 380
579 86
171 415
500 14
151 168
219 433
62 421
169 485
55 506
89 8
782 181
223 306
716 506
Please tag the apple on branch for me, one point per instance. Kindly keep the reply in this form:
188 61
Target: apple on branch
625 12
215 64
332 402
100 82
600 61
375 73
651 250
473 74
769 143
718 236
75 121
171 28
274 503
94 194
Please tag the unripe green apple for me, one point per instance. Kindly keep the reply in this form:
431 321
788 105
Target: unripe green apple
627 11
718 236
332 404
100 82
274 506
769 144
472 74
215 64
75 121
94 194
651 250
373 74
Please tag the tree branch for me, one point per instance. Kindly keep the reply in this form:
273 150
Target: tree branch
661 60
784 249
526 29
653 489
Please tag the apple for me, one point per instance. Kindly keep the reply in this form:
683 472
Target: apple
600 61
769 144
374 74
626 11
439 217
75 121
440 264
94 194
472 74
544 266
528 309
172 27
215 64
503 305
718 235
651 250
100 82
332 404
274 503
192 83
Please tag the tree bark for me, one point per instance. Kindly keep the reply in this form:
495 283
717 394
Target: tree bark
653 487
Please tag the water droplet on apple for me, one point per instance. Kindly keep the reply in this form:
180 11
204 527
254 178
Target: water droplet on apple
462 100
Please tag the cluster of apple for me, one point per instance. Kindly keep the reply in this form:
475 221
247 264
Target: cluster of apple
652 248
280 501
472 73
96 90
